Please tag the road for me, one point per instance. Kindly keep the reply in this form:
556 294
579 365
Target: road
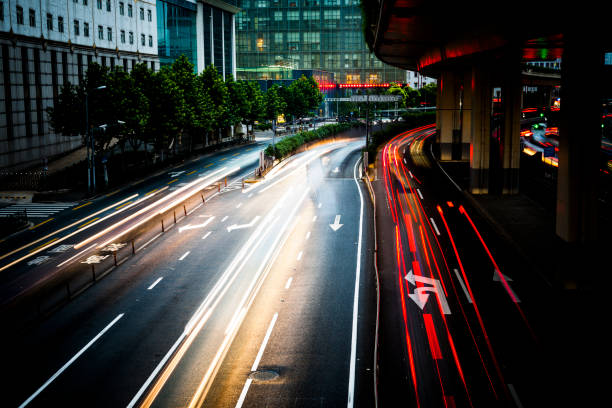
458 320
259 295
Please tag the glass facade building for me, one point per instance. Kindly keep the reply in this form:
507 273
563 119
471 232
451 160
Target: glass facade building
176 30
306 34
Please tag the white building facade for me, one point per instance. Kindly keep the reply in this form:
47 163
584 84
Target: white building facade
45 44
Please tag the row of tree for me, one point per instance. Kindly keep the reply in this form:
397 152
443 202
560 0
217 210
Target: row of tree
172 107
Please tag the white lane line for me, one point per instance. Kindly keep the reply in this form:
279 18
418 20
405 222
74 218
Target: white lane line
314 218
405 161
319 206
299 255
411 176
155 283
420 195
288 284
353 358
435 226
264 343
72 360
250 195
515 397
151 240
467 294
184 256
225 218
308 235
243 394
206 235
239 205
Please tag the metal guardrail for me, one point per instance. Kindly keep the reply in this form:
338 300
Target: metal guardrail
27 180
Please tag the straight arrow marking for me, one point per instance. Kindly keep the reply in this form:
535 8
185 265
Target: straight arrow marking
336 225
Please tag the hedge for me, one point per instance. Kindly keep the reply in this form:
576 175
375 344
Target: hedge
290 144
410 120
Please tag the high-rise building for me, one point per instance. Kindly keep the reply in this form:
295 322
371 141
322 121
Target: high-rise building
273 36
45 45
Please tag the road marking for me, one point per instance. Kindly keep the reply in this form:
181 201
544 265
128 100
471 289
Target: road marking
420 195
336 225
122 205
151 192
288 284
353 358
515 397
243 394
149 241
411 176
235 154
264 343
405 161
208 165
250 195
319 206
172 181
239 205
206 235
224 218
420 295
500 277
299 255
81 206
190 173
38 247
242 226
88 222
308 235
467 294
79 254
435 226
72 360
184 256
44 222
189 226
155 283
314 218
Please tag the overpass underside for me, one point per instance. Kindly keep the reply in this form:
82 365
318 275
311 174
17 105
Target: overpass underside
477 54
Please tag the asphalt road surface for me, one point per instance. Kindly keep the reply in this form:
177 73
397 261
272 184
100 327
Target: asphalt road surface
259 295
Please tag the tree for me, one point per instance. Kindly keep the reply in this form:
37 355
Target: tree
216 91
256 103
428 95
301 97
239 104
410 96
67 115
274 104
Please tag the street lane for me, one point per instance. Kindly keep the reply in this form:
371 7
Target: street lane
201 267
456 302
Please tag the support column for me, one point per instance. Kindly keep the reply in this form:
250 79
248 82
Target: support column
579 138
511 94
447 107
481 128
200 37
465 105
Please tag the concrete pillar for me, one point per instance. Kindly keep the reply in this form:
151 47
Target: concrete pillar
480 128
465 109
579 137
200 37
448 111
511 155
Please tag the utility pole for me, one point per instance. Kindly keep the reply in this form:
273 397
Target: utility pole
91 160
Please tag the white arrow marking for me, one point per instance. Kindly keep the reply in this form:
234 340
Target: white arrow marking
497 277
336 225
250 224
336 170
420 296
173 174
189 226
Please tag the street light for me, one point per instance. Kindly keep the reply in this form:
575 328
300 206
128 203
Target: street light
91 164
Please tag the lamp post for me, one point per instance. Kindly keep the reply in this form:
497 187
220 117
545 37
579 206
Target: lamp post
91 166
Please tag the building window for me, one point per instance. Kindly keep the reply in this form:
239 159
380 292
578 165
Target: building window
142 39
131 37
19 15
100 32
75 1
49 21
121 8
122 36
150 41
149 15
141 13
85 2
109 34
293 15
32 18
60 24
108 5
76 27
86 29
99 4
129 10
